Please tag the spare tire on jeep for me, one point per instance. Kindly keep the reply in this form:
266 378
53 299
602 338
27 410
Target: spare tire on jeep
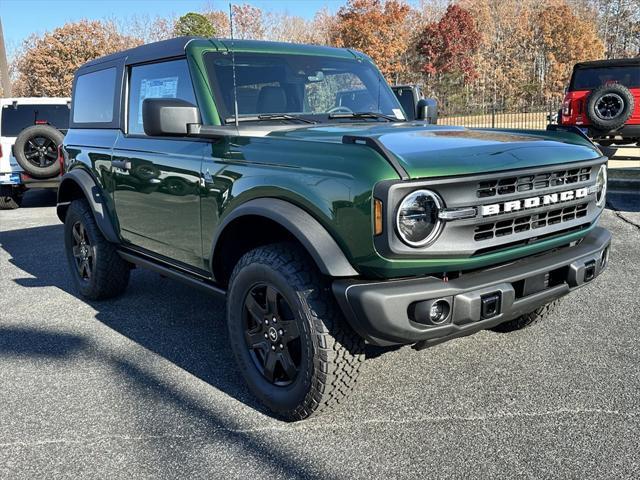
609 106
36 150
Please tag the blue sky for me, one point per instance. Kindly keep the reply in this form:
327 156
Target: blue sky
20 18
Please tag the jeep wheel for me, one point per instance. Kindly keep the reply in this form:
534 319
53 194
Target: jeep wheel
36 150
291 344
527 320
609 107
10 202
97 269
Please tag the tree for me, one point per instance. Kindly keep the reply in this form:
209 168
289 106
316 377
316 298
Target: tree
506 60
248 22
375 27
565 40
618 24
220 21
193 24
147 29
49 61
448 46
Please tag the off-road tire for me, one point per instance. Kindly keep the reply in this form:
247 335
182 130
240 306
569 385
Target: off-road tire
332 351
528 319
52 135
10 202
110 273
620 119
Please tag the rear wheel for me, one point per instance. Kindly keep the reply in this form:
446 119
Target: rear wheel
290 341
97 269
528 319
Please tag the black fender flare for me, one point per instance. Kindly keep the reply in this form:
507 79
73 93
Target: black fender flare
79 178
324 250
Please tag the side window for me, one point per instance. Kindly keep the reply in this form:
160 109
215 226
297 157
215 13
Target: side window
157 80
93 97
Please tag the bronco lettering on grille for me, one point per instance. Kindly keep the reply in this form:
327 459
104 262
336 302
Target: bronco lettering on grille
533 202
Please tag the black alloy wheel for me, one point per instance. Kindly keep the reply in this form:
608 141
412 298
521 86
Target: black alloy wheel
41 152
83 252
609 106
271 334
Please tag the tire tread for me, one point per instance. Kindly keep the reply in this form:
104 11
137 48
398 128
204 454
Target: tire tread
340 351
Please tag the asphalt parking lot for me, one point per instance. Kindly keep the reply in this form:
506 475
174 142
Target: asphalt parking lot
144 387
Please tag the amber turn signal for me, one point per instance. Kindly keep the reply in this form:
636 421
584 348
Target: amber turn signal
377 216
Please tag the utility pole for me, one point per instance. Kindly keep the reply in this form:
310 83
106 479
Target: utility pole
5 81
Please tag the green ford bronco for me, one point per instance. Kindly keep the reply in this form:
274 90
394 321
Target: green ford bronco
286 178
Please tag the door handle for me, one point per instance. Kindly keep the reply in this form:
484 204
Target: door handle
123 164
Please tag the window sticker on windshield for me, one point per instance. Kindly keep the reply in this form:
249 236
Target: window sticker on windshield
166 87
398 113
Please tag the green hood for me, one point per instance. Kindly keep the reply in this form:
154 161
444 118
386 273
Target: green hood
428 151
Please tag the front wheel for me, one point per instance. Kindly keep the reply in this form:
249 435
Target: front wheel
290 341
528 319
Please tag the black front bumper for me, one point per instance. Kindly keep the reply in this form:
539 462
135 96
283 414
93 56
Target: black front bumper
384 312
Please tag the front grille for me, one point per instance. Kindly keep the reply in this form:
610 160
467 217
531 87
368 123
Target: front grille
526 183
524 223
513 209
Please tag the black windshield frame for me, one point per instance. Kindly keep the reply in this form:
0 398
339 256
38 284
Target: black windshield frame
289 73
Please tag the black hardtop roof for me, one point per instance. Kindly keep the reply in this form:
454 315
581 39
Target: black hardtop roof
612 62
175 47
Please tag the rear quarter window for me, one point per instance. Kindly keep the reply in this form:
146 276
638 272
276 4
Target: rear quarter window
94 97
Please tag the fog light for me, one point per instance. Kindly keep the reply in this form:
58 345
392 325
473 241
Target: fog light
435 315
430 312
439 311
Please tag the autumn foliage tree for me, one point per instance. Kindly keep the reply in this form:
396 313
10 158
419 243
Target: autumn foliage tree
565 40
375 27
48 63
193 24
448 46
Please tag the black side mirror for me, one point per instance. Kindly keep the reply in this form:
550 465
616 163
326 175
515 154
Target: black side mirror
168 116
427 110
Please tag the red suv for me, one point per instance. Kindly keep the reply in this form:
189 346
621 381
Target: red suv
603 99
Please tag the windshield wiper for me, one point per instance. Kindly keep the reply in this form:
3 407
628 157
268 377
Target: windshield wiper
364 115
270 116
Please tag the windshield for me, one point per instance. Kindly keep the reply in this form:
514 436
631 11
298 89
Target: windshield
15 119
298 85
590 78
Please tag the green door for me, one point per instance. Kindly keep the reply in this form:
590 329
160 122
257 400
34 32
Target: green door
157 180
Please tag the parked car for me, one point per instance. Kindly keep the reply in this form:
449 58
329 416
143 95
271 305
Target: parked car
325 226
31 130
415 105
603 99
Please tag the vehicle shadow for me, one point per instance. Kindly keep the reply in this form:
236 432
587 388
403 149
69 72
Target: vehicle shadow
623 202
39 197
184 326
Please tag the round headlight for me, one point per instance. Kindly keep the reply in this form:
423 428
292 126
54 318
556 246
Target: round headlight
601 186
417 218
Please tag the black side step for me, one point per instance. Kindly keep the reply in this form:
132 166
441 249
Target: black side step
167 271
